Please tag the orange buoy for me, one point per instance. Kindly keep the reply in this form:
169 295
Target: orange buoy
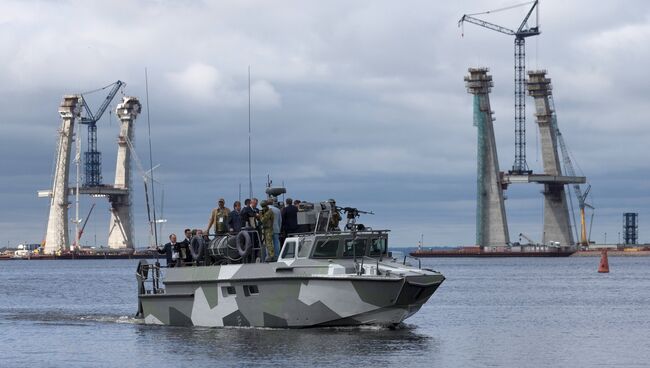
604 264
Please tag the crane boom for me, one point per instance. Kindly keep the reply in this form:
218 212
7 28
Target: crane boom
521 29
488 25
81 231
566 159
93 118
570 171
530 241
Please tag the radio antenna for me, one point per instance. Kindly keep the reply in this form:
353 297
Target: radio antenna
153 193
250 175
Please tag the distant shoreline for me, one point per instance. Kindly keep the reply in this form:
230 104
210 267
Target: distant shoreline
612 253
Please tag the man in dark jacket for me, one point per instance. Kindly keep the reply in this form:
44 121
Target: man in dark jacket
171 251
234 218
289 218
197 247
186 254
250 214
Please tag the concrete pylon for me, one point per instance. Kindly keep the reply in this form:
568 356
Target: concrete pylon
120 233
557 225
57 224
491 222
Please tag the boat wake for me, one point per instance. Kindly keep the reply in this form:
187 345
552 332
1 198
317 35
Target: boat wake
64 318
399 326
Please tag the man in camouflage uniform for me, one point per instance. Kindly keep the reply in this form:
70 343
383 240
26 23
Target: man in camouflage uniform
335 217
267 218
219 218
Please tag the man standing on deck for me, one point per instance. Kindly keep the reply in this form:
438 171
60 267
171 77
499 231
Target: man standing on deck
250 214
218 217
197 247
335 217
267 228
234 219
171 251
289 218
185 246
277 226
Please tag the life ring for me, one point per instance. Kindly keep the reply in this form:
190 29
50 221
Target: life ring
244 243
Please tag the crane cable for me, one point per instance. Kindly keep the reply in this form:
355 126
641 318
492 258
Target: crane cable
502 9
99 89
461 24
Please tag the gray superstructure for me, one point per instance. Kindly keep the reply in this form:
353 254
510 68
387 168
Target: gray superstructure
324 277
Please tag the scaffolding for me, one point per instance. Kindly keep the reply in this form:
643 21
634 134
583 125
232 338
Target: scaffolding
630 228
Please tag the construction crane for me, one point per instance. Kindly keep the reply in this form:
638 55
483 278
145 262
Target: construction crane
530 241
520 166
81 231
570 171
92 157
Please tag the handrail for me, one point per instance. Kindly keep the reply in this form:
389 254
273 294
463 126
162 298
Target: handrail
154 280
418 259
341 232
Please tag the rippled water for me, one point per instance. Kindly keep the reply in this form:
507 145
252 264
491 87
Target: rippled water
489 312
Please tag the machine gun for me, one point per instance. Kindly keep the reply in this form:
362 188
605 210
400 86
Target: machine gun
351 214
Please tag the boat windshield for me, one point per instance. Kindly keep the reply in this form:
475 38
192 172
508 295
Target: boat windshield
326 248
289 250
304 247
377 247
355 248
347 246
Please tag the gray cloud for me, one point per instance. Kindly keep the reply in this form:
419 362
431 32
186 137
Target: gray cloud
360 101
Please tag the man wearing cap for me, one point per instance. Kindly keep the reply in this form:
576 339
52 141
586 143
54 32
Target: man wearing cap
335 217
219 218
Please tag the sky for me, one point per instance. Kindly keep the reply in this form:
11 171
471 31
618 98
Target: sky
360 101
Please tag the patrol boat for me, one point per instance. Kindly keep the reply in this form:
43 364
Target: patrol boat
323 277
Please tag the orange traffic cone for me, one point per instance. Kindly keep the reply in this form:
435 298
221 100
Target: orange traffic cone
604 264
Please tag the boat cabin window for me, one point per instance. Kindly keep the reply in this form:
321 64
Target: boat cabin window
326 248
289 249
228 290
355 248
378 246
304 247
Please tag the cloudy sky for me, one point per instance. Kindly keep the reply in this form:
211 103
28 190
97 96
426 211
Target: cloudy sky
362 101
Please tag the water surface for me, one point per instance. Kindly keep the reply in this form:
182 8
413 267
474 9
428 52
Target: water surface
488 313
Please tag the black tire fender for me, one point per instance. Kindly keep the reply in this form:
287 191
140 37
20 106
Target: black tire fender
244 243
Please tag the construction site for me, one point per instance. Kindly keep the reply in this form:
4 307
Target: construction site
563 233
75 111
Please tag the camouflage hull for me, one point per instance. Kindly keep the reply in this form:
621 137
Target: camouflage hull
287 296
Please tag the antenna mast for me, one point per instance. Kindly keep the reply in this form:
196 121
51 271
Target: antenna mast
250 177
153 193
